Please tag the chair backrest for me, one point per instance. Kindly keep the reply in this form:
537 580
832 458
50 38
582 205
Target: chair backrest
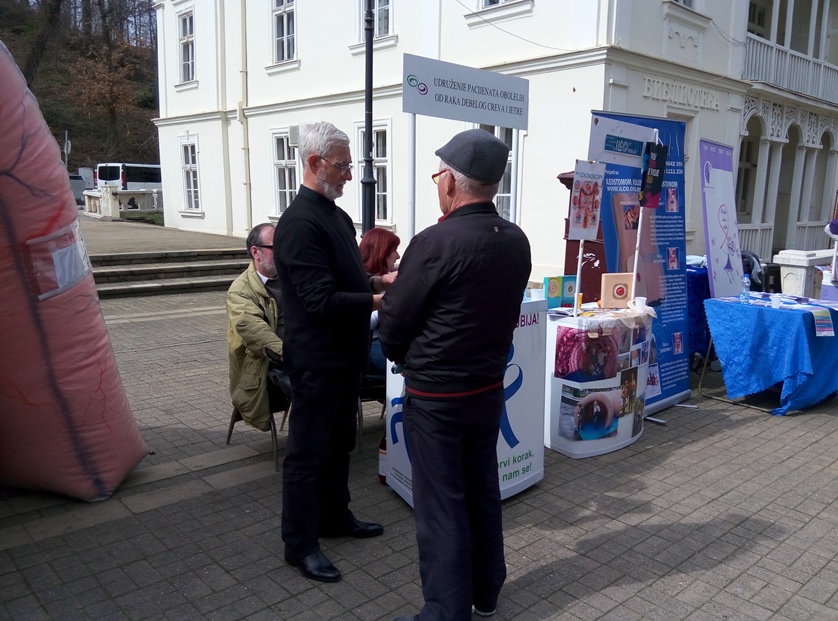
752 267
373 388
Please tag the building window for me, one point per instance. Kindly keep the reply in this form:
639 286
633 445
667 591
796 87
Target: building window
686 3
284 31
380 167
487 3
285 167
503 200
759 18
189 165
381 18
187 48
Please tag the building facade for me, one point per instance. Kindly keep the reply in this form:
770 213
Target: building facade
238 78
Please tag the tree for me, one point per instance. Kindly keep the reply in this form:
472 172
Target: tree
51 11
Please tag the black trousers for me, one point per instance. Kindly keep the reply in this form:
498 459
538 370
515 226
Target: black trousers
456 499
315 472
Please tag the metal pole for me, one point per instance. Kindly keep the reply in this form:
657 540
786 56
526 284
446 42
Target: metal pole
368 181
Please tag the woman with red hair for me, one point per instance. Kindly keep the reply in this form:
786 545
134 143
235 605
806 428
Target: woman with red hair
379 252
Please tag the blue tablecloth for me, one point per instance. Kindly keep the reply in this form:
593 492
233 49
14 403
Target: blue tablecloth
760 346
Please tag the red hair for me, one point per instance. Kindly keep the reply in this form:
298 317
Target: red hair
376 245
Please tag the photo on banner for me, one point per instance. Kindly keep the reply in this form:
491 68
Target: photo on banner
619 140
721 229
586 200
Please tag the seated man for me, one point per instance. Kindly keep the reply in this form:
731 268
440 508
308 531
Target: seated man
254 333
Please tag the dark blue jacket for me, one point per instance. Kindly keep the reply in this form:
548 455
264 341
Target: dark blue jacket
450 315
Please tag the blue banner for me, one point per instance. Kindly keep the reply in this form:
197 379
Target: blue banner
661 269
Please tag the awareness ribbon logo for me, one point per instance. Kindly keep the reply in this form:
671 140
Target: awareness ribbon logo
508 392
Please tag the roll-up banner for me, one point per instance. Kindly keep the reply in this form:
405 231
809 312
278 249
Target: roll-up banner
619 141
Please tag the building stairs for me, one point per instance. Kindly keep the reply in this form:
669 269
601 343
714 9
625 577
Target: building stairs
161 272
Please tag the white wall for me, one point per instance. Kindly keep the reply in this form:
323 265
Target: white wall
554 44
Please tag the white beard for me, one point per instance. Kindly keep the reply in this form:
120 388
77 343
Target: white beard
327 189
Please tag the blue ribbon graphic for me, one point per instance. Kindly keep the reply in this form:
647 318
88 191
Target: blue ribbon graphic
395 419
508 391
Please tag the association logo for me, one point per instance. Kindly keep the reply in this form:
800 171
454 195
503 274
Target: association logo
413 82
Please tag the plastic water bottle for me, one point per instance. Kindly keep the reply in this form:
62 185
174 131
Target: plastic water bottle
745 294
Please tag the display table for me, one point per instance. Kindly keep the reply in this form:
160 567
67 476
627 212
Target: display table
760 346
520 442
596 381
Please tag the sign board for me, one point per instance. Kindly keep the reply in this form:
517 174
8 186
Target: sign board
661 270
721 230
449 91
521 439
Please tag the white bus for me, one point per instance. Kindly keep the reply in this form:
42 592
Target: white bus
128 176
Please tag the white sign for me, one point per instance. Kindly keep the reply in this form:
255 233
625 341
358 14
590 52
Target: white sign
521 438
445 90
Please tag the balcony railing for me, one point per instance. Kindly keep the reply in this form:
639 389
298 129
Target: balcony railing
810 236
757 238
790 70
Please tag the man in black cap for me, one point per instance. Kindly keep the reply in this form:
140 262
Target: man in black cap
448 320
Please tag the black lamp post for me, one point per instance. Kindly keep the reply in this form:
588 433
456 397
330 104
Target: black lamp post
368 181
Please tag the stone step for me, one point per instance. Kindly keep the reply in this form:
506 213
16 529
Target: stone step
127 273
166 286
167 256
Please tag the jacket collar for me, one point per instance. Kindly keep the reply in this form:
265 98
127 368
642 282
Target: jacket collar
315 197
467 210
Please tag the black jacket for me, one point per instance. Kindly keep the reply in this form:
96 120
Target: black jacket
450 315
325 291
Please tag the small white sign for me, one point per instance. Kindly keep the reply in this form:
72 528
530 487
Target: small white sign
449 91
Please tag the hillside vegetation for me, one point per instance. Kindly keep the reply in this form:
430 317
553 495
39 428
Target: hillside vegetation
96 77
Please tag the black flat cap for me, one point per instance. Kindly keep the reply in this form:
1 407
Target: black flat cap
477 154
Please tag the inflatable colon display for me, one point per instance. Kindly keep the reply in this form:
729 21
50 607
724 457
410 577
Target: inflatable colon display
65 422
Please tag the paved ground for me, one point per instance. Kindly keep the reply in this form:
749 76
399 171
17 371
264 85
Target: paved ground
724 513
108 237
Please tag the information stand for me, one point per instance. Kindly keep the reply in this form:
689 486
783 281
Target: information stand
520 442
597 369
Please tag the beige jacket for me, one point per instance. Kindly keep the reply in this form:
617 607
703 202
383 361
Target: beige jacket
254 317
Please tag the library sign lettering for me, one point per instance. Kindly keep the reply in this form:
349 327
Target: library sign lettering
680 94
449 91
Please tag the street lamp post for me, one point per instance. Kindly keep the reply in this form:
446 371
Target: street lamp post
368 181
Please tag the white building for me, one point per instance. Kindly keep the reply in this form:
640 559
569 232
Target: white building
238 77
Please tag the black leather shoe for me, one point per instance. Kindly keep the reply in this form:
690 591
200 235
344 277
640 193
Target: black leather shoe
315 566
355 528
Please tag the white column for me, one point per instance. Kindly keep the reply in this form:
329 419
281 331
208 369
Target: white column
794 196
828 206
773 182
759 184
786 42
807 214
824 29
813 21
162 82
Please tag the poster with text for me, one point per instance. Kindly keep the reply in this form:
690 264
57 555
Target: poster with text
585 200
619 140
520 450
721 230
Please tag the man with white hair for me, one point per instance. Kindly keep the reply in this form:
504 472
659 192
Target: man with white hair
327 297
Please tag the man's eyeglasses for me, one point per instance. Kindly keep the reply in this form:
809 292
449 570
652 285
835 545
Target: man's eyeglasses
343 168
269 247
435 176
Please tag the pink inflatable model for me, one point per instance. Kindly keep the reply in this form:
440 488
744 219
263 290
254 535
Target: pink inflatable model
65 422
